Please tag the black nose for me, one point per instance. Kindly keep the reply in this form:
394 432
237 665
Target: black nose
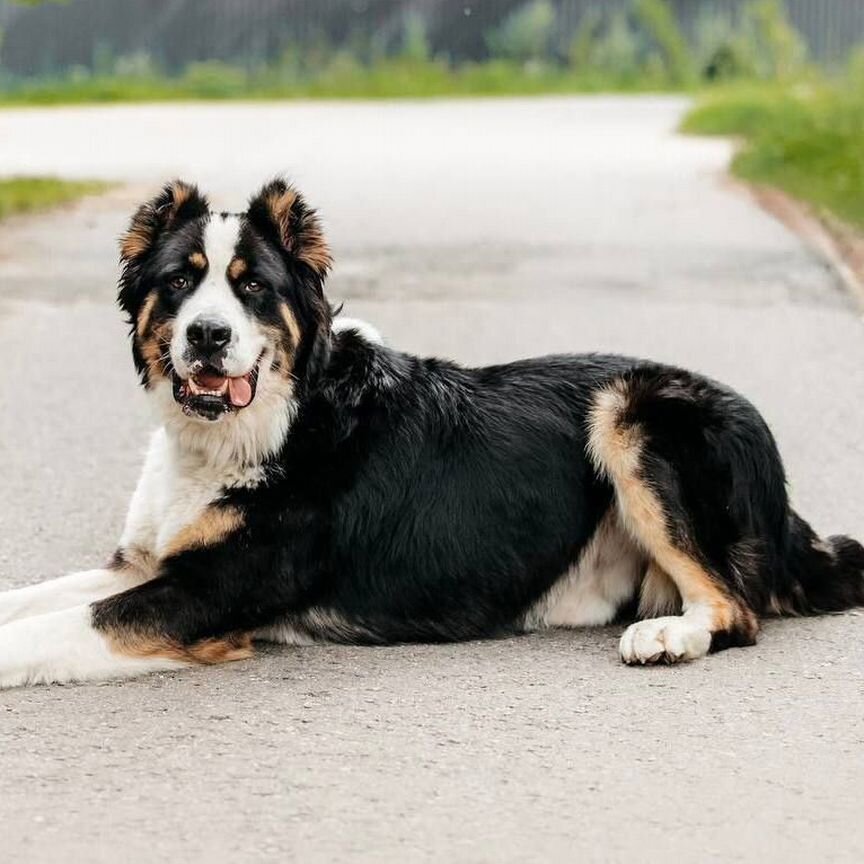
208 335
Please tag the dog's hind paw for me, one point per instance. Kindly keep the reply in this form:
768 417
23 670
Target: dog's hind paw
664 640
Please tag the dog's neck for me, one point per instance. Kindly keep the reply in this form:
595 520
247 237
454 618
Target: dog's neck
236 447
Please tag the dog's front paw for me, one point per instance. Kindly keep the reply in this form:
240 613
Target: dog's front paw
664 640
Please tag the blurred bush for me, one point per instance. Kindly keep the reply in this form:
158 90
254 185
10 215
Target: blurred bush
802 135
526 47
656 20
778 49
525 34
616 52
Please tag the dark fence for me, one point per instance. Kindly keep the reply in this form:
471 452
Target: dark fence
93 35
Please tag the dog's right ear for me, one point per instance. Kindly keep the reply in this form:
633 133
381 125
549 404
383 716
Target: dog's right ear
176 203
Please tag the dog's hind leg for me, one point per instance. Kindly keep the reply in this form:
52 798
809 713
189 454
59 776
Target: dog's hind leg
650 493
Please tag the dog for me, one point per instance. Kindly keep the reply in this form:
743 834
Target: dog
309 484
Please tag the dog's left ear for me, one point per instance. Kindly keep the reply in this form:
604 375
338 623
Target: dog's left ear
176 203
296 225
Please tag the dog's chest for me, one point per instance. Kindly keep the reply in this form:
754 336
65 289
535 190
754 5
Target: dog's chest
172 493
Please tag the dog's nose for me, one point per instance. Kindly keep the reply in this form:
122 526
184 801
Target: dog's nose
208 335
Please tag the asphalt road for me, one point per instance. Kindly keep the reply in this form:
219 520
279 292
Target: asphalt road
482 231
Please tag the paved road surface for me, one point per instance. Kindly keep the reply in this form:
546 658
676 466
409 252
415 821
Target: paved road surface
482 231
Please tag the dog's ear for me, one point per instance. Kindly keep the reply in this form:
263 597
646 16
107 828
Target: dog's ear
293 224
176 203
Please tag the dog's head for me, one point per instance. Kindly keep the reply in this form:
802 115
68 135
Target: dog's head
227 311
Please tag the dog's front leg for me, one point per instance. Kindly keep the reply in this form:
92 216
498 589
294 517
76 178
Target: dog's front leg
75 589
65 646
201 609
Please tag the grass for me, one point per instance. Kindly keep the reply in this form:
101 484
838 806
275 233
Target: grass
804 138
639 49
343 78
26 194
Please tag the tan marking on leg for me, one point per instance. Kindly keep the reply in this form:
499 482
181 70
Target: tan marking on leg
209 529
616 449
236 646
132 558
198 260
236 268
658 594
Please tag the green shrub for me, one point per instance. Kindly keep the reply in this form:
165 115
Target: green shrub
776 46
657 21
803 137
415 40
617 52
136 65
855 70
525 34
214 79
722 54
580 54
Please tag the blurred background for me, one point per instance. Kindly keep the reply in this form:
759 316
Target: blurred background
679 179
776 71
221 48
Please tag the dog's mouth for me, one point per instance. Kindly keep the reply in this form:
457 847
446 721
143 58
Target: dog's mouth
209 393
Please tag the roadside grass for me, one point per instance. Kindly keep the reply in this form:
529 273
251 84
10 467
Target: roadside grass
804 138
27 194
636 47
344 78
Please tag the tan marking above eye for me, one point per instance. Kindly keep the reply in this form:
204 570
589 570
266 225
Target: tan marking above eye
198 260
236 268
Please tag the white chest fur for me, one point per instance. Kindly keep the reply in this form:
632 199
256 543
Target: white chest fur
175 487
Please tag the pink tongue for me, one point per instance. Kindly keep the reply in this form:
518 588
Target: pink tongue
239 392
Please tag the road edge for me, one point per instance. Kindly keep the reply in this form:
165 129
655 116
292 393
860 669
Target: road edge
838 244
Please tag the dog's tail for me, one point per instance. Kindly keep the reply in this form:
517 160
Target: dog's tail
821 575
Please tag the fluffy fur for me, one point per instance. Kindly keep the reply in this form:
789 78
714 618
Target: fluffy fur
310 484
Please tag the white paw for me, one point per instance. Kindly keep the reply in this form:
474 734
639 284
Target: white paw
664 640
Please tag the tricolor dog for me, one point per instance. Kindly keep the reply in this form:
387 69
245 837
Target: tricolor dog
309 484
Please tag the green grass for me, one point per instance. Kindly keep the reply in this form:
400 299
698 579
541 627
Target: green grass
343 78
803 138
26 194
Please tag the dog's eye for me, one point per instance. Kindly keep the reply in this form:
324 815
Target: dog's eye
252 287
179 283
